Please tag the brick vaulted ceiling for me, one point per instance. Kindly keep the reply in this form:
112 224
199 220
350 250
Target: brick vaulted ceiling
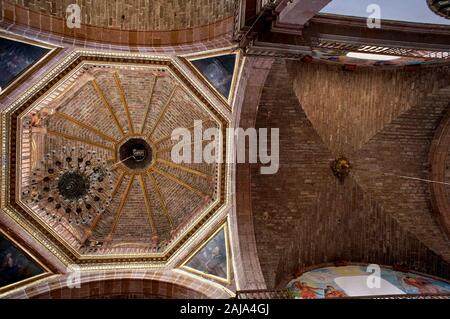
142 211
139 15
91 104
384 122
131 22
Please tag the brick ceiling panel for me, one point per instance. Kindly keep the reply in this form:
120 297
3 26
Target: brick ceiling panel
102 229
304 216
107 85
133 224
92 104
279 200
137 93
164 86
180 212
138 15
63 126
175 115
399 151
348 108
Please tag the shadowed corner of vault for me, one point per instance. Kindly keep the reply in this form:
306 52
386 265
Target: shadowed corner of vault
219 70
18 267
212 258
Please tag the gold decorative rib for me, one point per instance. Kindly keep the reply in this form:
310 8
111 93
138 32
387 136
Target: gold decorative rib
85 126
184 168
121 204
179 182
162 150
79 139
161 114
188 128
147 107
113 193
148 206
108 106
124 101
161 198
118 183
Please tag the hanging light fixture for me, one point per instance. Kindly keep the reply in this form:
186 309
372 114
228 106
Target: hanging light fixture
341 167
73 184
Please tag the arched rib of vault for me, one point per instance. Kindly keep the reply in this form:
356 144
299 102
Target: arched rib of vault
245 107
439 167
163 284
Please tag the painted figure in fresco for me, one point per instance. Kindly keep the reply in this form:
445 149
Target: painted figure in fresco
305 291
7 268
13 265
215 264
331 292
218 70
7 262
212 258
424 286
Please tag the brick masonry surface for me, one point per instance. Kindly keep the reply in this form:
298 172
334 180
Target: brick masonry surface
348 108
304 216
139 25
121 284
247 266
166 112
138 15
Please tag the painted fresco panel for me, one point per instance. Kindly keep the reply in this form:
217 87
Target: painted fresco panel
324 283
219 71
14 265
15 58
212 258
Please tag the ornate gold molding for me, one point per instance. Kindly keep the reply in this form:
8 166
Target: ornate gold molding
64 73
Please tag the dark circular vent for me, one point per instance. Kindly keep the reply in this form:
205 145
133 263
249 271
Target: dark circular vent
136 153
73 185
440 7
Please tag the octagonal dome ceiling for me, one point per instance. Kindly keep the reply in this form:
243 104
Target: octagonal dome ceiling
90 163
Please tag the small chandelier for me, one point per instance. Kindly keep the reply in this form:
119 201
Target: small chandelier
73 184
341 167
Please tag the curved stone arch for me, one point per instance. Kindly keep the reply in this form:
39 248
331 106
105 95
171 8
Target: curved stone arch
438 158
151 284
19 15
252 79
